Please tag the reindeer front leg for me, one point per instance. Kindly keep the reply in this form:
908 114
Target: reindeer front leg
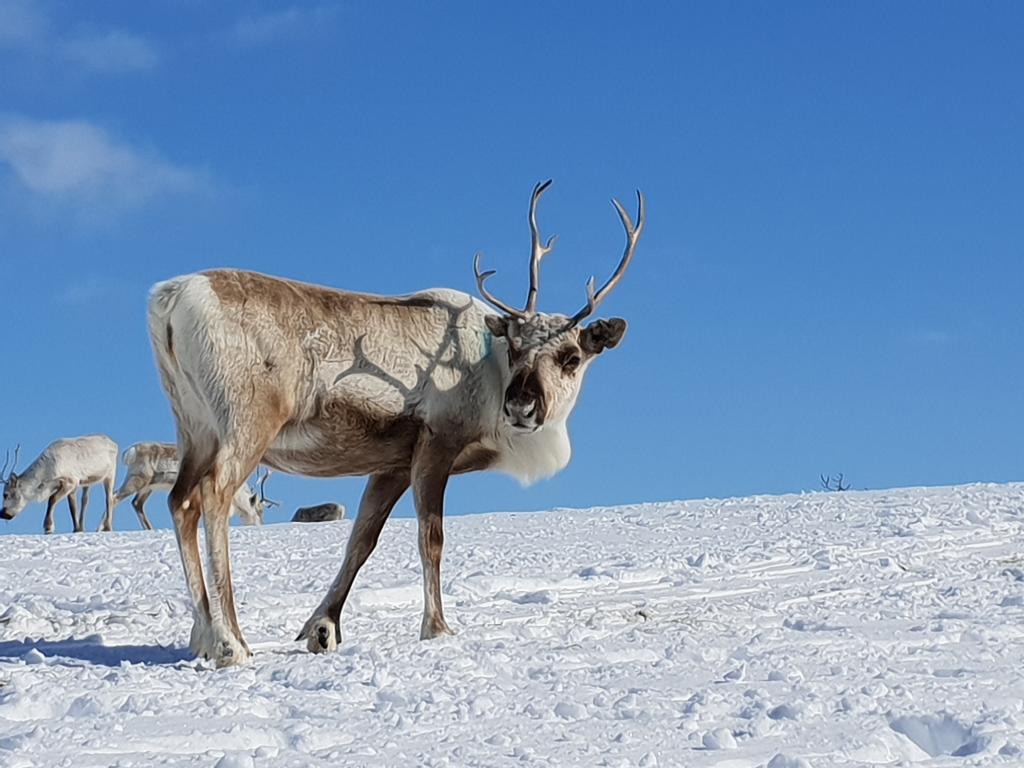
432 464
82 508
76 519
48 526
63 489
322 631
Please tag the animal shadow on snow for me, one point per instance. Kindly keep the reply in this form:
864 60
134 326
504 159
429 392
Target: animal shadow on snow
93 651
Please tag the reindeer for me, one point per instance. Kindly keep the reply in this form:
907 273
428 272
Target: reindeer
62 468
409 390
154 467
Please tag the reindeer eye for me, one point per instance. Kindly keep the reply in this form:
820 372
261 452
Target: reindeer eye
571 362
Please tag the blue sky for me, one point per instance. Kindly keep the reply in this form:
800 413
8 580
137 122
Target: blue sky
830 281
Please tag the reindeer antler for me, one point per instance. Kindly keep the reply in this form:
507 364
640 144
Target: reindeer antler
826 482
263 491
538 252
4 477
594 298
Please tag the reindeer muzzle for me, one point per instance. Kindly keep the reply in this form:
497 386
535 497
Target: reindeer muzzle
524 402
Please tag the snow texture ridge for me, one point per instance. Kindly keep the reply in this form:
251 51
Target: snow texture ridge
824 629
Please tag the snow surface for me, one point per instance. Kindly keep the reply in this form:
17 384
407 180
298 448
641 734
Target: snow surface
822 629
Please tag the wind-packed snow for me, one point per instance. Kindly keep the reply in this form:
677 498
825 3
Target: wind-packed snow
822 629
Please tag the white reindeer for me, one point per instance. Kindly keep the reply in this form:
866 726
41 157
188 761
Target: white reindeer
61 469
154 467
408 390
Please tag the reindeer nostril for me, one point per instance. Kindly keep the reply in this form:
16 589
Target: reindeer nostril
529 408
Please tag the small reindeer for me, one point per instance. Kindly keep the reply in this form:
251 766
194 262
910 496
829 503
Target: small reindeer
834 483
61 469
154 467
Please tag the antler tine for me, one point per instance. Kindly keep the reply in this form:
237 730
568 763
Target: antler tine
481 277
632 237
538 251
591 303
263 489
3 472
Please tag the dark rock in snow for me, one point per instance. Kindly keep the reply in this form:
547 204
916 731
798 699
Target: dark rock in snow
321 513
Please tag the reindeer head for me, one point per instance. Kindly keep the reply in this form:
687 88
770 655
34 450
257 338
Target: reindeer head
14 499
548 354
257 503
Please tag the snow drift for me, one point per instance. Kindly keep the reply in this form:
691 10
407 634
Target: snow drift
818 629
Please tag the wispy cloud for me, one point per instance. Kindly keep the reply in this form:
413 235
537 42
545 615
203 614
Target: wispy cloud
267 27
24 27
111 52
77 163
21 24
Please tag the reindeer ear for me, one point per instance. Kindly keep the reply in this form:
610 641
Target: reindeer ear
497 325
602 334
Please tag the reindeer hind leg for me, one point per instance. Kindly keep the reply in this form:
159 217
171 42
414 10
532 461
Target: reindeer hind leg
184 503
229 646
217 488
139 504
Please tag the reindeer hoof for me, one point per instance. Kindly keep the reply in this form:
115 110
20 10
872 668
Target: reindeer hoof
230 653
223 649
227 651
321 634
436 629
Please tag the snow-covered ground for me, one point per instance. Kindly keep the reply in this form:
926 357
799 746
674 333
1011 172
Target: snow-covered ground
822 629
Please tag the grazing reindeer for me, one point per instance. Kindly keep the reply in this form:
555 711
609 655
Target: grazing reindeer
154 467
61 469
408 390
